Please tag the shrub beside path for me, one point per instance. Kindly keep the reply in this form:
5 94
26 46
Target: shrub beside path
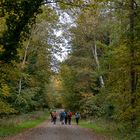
48 131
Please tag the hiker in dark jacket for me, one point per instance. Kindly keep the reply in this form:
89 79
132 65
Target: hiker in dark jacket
51 113
62 117
66 117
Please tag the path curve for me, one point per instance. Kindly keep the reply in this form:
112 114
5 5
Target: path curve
48 131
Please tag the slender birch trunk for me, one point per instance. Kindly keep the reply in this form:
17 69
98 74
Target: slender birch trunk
23 64
94 51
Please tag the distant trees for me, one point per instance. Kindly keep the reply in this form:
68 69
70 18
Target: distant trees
26 75
26 53
105 45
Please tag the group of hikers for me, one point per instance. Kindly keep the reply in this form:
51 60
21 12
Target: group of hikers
65 117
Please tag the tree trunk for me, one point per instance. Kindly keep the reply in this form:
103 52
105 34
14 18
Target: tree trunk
23 64
2 8
133 74
94 51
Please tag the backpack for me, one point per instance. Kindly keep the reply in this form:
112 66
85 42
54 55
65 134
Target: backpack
77 115
69 114
63 114
54 115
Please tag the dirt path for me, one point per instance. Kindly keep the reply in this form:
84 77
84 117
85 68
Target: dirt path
48 131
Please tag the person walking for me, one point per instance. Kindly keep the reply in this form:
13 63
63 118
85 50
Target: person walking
62 117
54 116
66 117
51 114
77 117
69 117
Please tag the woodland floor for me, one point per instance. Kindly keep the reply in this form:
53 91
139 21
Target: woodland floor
49 131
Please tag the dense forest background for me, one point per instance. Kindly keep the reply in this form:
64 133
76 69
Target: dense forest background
100 74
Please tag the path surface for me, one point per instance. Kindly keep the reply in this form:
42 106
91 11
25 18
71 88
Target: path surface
48 131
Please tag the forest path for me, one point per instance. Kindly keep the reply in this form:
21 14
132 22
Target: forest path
49 131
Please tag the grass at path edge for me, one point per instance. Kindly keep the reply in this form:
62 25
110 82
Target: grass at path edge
110 130
15 128
97 128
